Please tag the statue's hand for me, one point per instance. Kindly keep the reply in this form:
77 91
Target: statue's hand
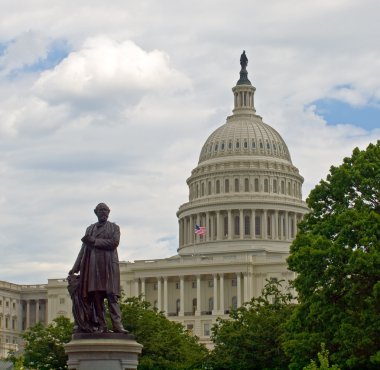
88 239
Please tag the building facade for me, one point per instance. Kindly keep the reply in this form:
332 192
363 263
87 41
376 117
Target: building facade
245 192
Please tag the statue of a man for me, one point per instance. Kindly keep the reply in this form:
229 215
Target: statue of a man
243 60
99 279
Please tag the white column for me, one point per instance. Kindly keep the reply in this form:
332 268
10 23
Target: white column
37 310
241 226
137 292
238 288
182 295
253 223
143 287
191 230
166 295
246 287
215 298
159 294
295 225
198 312
221 302
218 228
286 225
265 223
275 225
27 314
229 224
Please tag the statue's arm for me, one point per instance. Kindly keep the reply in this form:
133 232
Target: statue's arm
109 244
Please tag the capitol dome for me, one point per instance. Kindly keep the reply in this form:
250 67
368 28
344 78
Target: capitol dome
245 194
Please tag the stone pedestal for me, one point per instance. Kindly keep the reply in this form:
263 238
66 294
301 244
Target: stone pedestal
106 351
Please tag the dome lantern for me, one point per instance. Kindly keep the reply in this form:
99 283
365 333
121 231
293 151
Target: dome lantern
244 91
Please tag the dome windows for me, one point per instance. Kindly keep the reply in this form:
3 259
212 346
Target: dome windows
222 146
216 147
245 144
230 144
253 144
237 145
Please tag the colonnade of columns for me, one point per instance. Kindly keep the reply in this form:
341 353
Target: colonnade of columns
239 224
241 289
32 319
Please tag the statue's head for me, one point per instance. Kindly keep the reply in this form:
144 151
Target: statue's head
102 211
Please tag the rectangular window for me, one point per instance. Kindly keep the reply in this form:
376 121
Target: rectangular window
6 304
14 305
206 330
155 286
177 285
211 283
193 284
234 282
61 300
6 323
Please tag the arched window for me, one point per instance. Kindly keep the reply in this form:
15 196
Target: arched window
282 187
256 185
247 225
258 225
253 144
237 225
226 186
177 305
236 185
225 226
269 228
237 145
209 188
289 188
222 146
266 185
197 191
261 144
246 185
217 186
245 144
230 144
202 189
274 186
211 303
234 302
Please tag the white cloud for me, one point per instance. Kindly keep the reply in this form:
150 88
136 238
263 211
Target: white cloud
107 70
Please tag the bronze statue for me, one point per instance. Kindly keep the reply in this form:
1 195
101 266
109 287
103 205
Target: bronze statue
99 279
243 60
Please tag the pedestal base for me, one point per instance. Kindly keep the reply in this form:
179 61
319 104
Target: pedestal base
106 351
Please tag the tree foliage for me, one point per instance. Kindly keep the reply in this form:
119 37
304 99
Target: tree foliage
323 358
336 256
167 345
250 338
44 346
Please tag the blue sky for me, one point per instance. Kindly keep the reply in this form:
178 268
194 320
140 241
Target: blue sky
112 102
336 112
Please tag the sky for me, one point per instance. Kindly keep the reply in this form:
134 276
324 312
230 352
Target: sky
111 101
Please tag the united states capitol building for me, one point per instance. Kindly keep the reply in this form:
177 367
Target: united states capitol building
247 194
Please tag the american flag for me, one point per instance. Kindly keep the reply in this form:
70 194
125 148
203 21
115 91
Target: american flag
200 230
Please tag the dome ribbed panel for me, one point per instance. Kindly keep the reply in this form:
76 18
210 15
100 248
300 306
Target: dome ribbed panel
244 137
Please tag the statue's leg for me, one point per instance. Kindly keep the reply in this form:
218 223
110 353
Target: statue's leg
98 301
115 314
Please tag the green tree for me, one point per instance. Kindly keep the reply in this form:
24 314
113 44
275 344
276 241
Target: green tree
44 346
250 338
323 358
336 256
167 345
